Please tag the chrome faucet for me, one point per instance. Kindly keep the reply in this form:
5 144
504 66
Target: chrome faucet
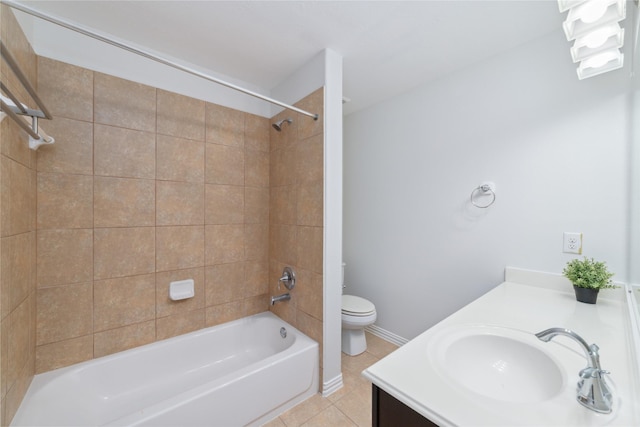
592 389
283 297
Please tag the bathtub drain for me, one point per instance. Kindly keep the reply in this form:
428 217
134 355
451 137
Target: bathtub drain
283 332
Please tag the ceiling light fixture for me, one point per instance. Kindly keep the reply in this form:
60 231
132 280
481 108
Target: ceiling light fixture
602 62
591 14
594 25
605 38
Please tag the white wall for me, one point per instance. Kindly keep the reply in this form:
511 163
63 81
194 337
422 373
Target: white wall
52 41
556 147
634 159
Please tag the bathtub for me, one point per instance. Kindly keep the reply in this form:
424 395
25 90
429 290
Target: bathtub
244 372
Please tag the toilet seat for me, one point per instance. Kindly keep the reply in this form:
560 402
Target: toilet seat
356 306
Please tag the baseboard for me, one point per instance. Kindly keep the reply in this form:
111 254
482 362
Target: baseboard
386 335
331 386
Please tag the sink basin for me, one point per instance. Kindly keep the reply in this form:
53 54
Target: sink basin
499 363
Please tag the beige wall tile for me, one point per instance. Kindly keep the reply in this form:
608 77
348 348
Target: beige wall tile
224 165
283 205
255 305
256 132
180 159
179 247
224 204
283 244
224 283
256 168
286 310
313 103
256 205
18 45
124 103
179 324
64 312
257 279
124 338
123 301
4 345
310 240
63 353
179 203
65 201
310 293
309 326
17 390
18 350
225 126
124 202
283 167
222 313
15 270
180 116
309 160
124 153
66 90
15 143
120 252
64 256
256 242
73 150
167 307
17 198
309 204
224 243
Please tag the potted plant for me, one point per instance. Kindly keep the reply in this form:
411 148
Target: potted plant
588 277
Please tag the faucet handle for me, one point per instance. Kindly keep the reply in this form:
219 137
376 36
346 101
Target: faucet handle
590 372
288 278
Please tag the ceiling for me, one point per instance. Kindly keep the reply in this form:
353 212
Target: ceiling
388 46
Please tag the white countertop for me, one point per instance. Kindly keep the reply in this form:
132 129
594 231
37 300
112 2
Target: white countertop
530 302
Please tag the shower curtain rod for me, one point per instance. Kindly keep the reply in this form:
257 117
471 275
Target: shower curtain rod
148 55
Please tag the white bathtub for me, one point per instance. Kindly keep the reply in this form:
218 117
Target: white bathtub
239 373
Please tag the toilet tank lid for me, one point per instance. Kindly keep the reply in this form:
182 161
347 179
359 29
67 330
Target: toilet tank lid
356 304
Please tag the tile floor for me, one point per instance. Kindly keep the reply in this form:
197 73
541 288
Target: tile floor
351 405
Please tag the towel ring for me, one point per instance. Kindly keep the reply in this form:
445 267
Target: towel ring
487 187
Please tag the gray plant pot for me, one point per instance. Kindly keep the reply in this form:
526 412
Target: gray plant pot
586 295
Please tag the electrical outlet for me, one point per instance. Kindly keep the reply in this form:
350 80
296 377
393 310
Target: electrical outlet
572 243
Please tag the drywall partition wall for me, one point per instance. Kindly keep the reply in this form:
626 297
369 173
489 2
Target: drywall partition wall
556 148
332 379
52 41
323 71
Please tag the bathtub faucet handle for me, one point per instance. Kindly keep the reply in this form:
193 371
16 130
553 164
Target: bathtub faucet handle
288 278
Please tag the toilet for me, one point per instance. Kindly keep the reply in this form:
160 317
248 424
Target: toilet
357 313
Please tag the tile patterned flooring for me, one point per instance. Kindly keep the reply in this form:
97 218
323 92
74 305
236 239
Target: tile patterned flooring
351 405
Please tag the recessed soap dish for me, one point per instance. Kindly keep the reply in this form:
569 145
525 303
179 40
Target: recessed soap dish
181 289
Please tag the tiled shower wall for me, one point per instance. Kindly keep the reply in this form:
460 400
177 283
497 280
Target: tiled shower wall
17 233
144 187
296 215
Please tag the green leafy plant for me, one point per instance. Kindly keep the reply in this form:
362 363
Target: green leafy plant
588 273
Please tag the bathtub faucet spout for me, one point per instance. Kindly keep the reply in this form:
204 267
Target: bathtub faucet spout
283 297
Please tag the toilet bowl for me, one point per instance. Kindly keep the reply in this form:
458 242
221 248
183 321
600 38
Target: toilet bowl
357 313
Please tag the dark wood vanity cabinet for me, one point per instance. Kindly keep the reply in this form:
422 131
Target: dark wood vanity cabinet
388 411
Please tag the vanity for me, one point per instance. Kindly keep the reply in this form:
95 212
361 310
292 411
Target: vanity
484 365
